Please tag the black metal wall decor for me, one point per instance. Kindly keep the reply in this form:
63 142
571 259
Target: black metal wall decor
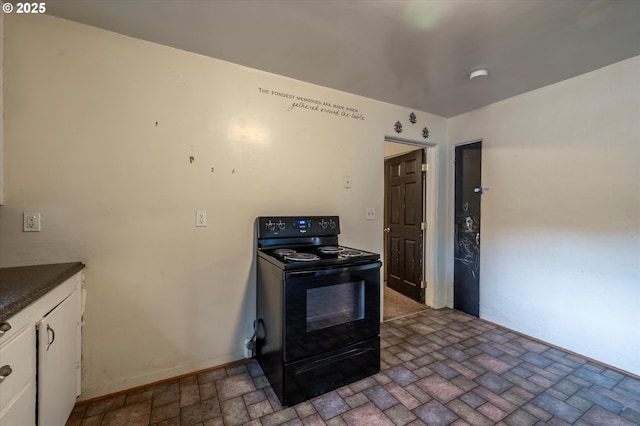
413 119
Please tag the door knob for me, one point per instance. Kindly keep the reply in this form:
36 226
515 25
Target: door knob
387 230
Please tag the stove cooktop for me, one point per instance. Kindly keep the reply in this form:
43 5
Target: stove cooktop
301 257
306 242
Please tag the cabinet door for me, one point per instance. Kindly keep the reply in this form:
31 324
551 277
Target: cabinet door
58 335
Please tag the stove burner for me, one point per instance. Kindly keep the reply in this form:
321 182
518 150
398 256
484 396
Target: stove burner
284 252
330 249
346 254
302 257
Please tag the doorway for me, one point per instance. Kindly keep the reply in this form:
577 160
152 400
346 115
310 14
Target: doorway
396 304
468 190
404 189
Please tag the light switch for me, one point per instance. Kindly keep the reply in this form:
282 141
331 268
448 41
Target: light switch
347 181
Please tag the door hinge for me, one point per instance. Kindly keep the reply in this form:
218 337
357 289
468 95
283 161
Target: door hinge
425 167
424 226
423 284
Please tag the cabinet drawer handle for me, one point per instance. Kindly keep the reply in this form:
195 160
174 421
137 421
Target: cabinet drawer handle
4 327
5 371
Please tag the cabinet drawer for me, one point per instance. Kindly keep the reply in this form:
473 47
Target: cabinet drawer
15 324
22 410
19 355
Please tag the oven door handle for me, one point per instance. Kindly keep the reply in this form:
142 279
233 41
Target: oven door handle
334 271
332 359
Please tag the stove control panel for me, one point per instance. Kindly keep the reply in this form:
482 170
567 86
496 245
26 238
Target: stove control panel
327 224
295 226
273 226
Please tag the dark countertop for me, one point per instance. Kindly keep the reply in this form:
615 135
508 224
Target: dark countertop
22 285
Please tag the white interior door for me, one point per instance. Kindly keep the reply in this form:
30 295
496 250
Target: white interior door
58 335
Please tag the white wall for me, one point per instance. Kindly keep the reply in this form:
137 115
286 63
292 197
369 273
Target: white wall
99 129
392 149
560 247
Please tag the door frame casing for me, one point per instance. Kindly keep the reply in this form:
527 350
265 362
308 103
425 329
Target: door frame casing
451 224
429 210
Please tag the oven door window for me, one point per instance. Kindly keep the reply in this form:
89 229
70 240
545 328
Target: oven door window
334 305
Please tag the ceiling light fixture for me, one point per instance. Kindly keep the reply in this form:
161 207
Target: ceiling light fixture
482 72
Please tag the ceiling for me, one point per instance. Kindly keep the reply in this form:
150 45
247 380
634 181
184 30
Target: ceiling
412 53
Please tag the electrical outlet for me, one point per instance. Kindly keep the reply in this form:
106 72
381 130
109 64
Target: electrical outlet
201 218
31 222
370 213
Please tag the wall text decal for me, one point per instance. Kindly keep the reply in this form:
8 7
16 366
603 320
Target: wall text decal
310 104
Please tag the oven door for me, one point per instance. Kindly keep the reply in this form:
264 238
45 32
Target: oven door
325 309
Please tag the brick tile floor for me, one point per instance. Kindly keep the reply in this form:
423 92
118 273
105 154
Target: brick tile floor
439 367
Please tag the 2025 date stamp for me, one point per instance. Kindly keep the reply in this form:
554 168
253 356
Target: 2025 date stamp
30 7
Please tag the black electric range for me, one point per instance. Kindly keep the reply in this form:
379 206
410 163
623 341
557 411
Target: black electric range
318 307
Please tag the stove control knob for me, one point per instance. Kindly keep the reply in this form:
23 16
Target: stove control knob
332 224
323 224
270 226
281 225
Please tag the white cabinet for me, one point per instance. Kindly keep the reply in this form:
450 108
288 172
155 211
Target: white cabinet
21 411
58 334
43 340
17 377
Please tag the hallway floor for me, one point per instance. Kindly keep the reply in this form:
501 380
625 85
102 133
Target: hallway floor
439 367
397 305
